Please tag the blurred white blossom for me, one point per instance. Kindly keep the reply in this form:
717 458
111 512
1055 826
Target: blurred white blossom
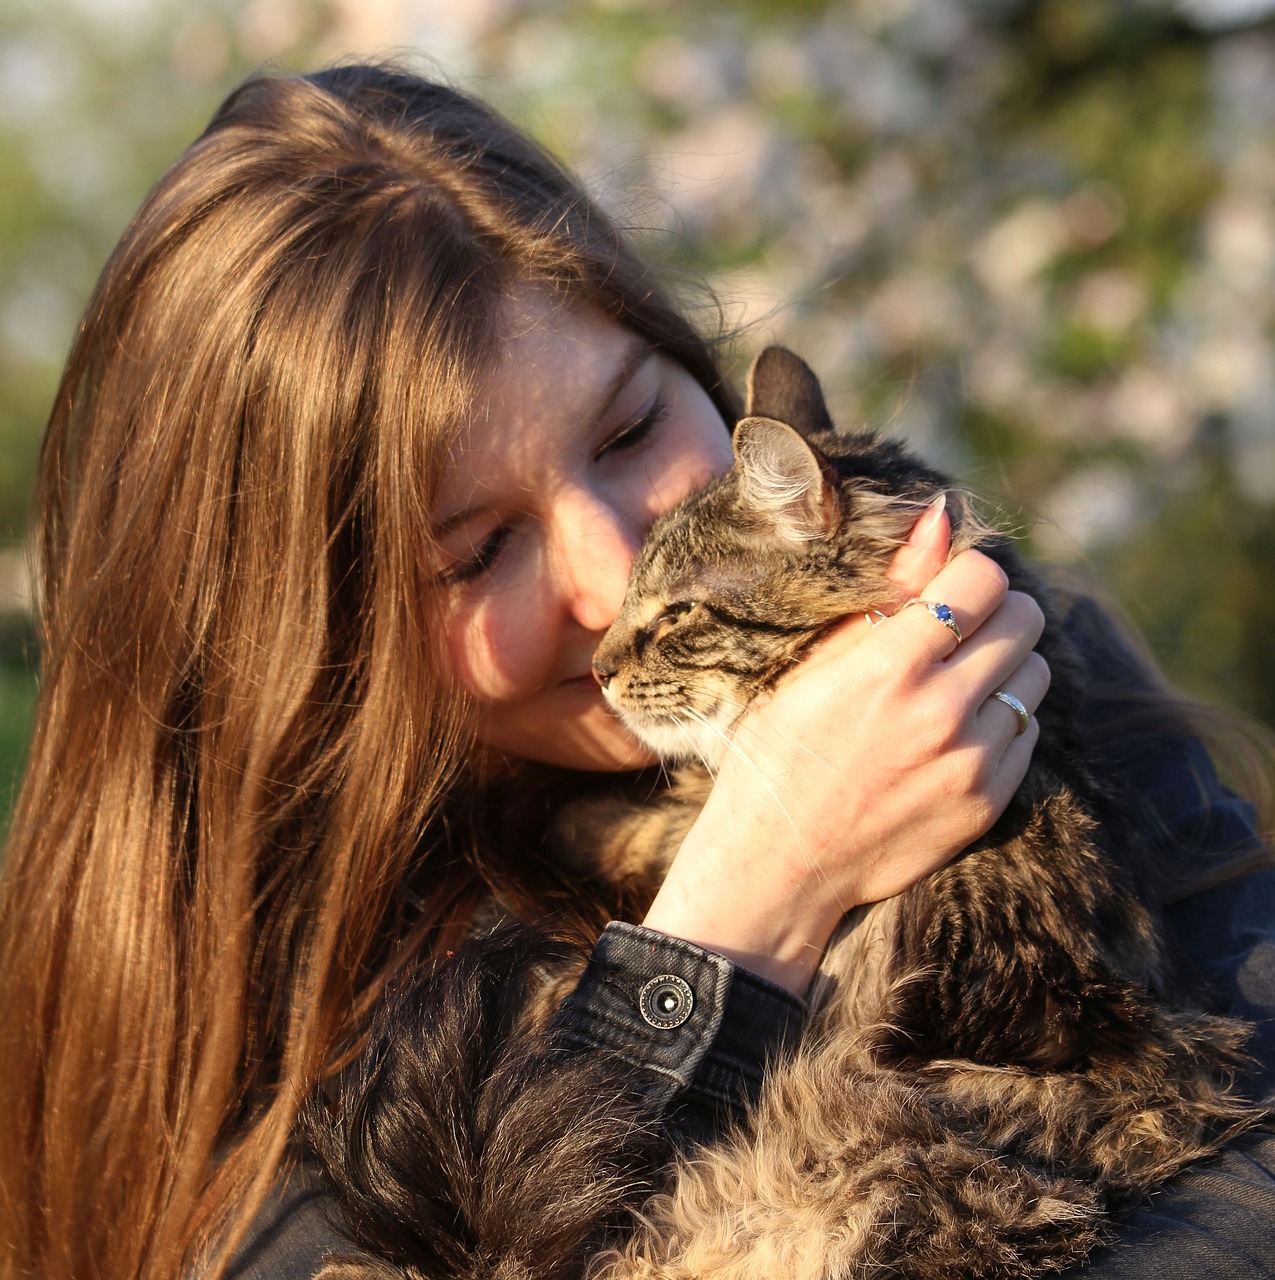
1036 240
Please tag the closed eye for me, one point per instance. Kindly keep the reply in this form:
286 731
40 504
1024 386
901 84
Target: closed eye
669 618
484 556
634 432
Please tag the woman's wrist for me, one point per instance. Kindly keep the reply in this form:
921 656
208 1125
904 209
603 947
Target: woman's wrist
773 923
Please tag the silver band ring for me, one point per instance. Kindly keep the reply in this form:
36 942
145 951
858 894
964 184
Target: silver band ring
943 613
1024 716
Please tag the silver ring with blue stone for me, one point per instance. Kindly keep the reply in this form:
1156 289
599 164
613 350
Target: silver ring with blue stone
943 613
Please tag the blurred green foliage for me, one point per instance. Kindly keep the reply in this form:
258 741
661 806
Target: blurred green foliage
17 707
1035 236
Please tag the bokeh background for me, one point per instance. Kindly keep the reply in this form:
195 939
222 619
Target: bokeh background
1036 237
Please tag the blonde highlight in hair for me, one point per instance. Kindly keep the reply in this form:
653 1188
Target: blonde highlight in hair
244 737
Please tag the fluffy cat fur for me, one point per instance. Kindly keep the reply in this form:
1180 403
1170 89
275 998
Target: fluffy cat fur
998 1060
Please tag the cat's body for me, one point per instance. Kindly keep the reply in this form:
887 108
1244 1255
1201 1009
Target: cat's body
996 1061
1005 1030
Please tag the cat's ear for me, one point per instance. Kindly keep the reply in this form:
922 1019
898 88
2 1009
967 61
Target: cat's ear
783 386
784 480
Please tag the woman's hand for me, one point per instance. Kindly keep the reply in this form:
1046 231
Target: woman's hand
879 758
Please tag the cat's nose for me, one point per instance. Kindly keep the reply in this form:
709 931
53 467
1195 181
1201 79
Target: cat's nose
603 671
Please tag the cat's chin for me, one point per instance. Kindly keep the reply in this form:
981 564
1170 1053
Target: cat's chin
705 742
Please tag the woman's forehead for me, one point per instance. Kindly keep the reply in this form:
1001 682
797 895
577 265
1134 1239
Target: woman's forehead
555 352
559 368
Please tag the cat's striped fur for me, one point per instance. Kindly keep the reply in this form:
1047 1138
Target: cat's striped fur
998 1060
997 1057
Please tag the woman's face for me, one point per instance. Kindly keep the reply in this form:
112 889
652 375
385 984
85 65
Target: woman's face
583 437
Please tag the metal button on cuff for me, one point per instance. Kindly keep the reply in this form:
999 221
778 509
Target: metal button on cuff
666 1001
605 1010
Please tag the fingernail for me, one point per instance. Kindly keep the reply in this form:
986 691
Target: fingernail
928 519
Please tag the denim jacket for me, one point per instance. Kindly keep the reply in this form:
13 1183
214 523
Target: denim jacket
1217 1219
700 1050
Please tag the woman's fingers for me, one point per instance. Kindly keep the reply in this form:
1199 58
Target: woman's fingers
965 593
925 552
1001 642
1009 708
1011 768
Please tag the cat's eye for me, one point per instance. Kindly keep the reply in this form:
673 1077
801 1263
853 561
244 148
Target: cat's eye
669 618
636 430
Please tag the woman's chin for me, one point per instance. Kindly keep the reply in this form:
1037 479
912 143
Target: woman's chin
574 731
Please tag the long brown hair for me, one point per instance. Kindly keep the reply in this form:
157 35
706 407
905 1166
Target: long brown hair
243 738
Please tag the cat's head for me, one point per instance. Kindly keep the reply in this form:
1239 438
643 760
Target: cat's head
734 583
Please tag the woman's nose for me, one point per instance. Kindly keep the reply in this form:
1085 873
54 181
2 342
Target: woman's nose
596 543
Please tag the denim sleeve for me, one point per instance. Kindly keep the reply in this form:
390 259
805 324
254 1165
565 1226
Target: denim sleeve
1215 1220
698 1053
696 1029
298 1229
1229 931
1212 873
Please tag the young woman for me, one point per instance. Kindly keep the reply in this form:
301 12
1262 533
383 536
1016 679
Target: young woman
357 438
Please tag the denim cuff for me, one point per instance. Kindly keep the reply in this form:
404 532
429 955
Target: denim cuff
697 1029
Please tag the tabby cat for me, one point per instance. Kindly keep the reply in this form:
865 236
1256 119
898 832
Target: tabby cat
997 1060
1018 1003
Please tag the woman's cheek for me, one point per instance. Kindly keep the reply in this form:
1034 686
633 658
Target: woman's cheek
490 653
473 651
681 465
705 447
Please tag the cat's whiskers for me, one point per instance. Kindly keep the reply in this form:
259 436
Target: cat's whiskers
679 722
665 772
